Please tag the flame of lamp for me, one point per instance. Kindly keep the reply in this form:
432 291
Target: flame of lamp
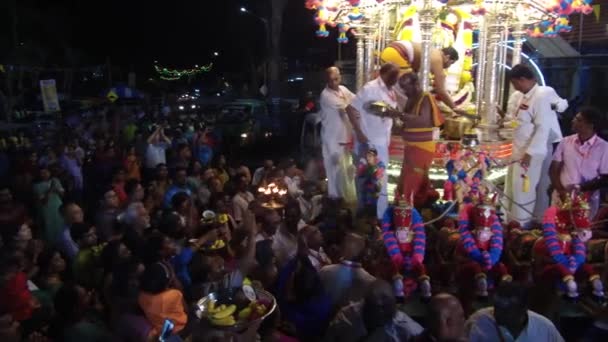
267 192
261 190
275 190
271 185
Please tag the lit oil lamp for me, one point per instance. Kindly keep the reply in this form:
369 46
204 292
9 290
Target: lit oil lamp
272 196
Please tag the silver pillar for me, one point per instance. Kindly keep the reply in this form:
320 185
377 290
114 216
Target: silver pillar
518 37
360 63
491 86
369 57
481 66
502 61
427 23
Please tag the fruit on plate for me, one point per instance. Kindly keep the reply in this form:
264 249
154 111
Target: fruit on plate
254 311
218 244
226 312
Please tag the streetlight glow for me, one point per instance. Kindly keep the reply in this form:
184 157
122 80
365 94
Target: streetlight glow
243 9
216 53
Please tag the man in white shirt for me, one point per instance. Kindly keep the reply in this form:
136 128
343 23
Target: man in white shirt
558 105
536 128
261 173
158 143
372 130
285 240
242 199
510 320
335 129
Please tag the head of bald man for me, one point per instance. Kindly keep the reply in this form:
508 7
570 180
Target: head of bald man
353 247
389 73
379 306
333 77
446 315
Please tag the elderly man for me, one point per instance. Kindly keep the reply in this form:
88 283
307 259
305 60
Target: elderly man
536 128
372 130
510 319
581 160
335 129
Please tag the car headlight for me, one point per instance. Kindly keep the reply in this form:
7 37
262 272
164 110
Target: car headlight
181 107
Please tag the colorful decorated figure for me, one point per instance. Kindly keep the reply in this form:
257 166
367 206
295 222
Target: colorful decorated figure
562 251
321 20
480 248
343 29
355 13
562 24
371 174
405 240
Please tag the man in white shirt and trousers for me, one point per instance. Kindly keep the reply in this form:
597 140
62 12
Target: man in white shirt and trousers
372 130
335 129
532 108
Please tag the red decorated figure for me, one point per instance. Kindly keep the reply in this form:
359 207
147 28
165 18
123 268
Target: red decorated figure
480 248
562 252
405 241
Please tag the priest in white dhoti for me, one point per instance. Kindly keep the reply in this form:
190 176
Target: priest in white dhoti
335 130
372 130
532 113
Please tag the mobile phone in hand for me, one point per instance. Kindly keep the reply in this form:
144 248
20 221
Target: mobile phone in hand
167 331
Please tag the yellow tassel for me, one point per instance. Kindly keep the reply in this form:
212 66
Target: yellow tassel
526 183
467 38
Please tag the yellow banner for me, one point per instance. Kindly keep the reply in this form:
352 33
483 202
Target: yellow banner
596 11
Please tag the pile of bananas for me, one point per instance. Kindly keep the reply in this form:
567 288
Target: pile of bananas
226 316
218 244
222 315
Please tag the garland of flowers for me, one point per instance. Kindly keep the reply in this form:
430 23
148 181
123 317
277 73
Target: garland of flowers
392 244
578 249
487 259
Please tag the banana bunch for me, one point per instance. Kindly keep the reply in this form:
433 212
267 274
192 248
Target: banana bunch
254 311
218 244
222 315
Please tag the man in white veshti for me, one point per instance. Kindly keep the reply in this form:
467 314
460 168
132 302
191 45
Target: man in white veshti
372 130
558 105
536 129
335 129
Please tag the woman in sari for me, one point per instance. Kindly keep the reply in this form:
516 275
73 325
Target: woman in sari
49 194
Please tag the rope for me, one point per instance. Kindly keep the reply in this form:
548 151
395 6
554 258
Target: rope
447 211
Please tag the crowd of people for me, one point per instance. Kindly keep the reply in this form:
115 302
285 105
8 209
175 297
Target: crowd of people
115 227
105 236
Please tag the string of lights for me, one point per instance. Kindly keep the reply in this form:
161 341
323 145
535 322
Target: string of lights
175 74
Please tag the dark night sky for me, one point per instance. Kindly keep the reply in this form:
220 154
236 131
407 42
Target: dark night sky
177 33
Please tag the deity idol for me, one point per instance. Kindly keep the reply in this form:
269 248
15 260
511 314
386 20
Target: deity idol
563 250
480 248
405 240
